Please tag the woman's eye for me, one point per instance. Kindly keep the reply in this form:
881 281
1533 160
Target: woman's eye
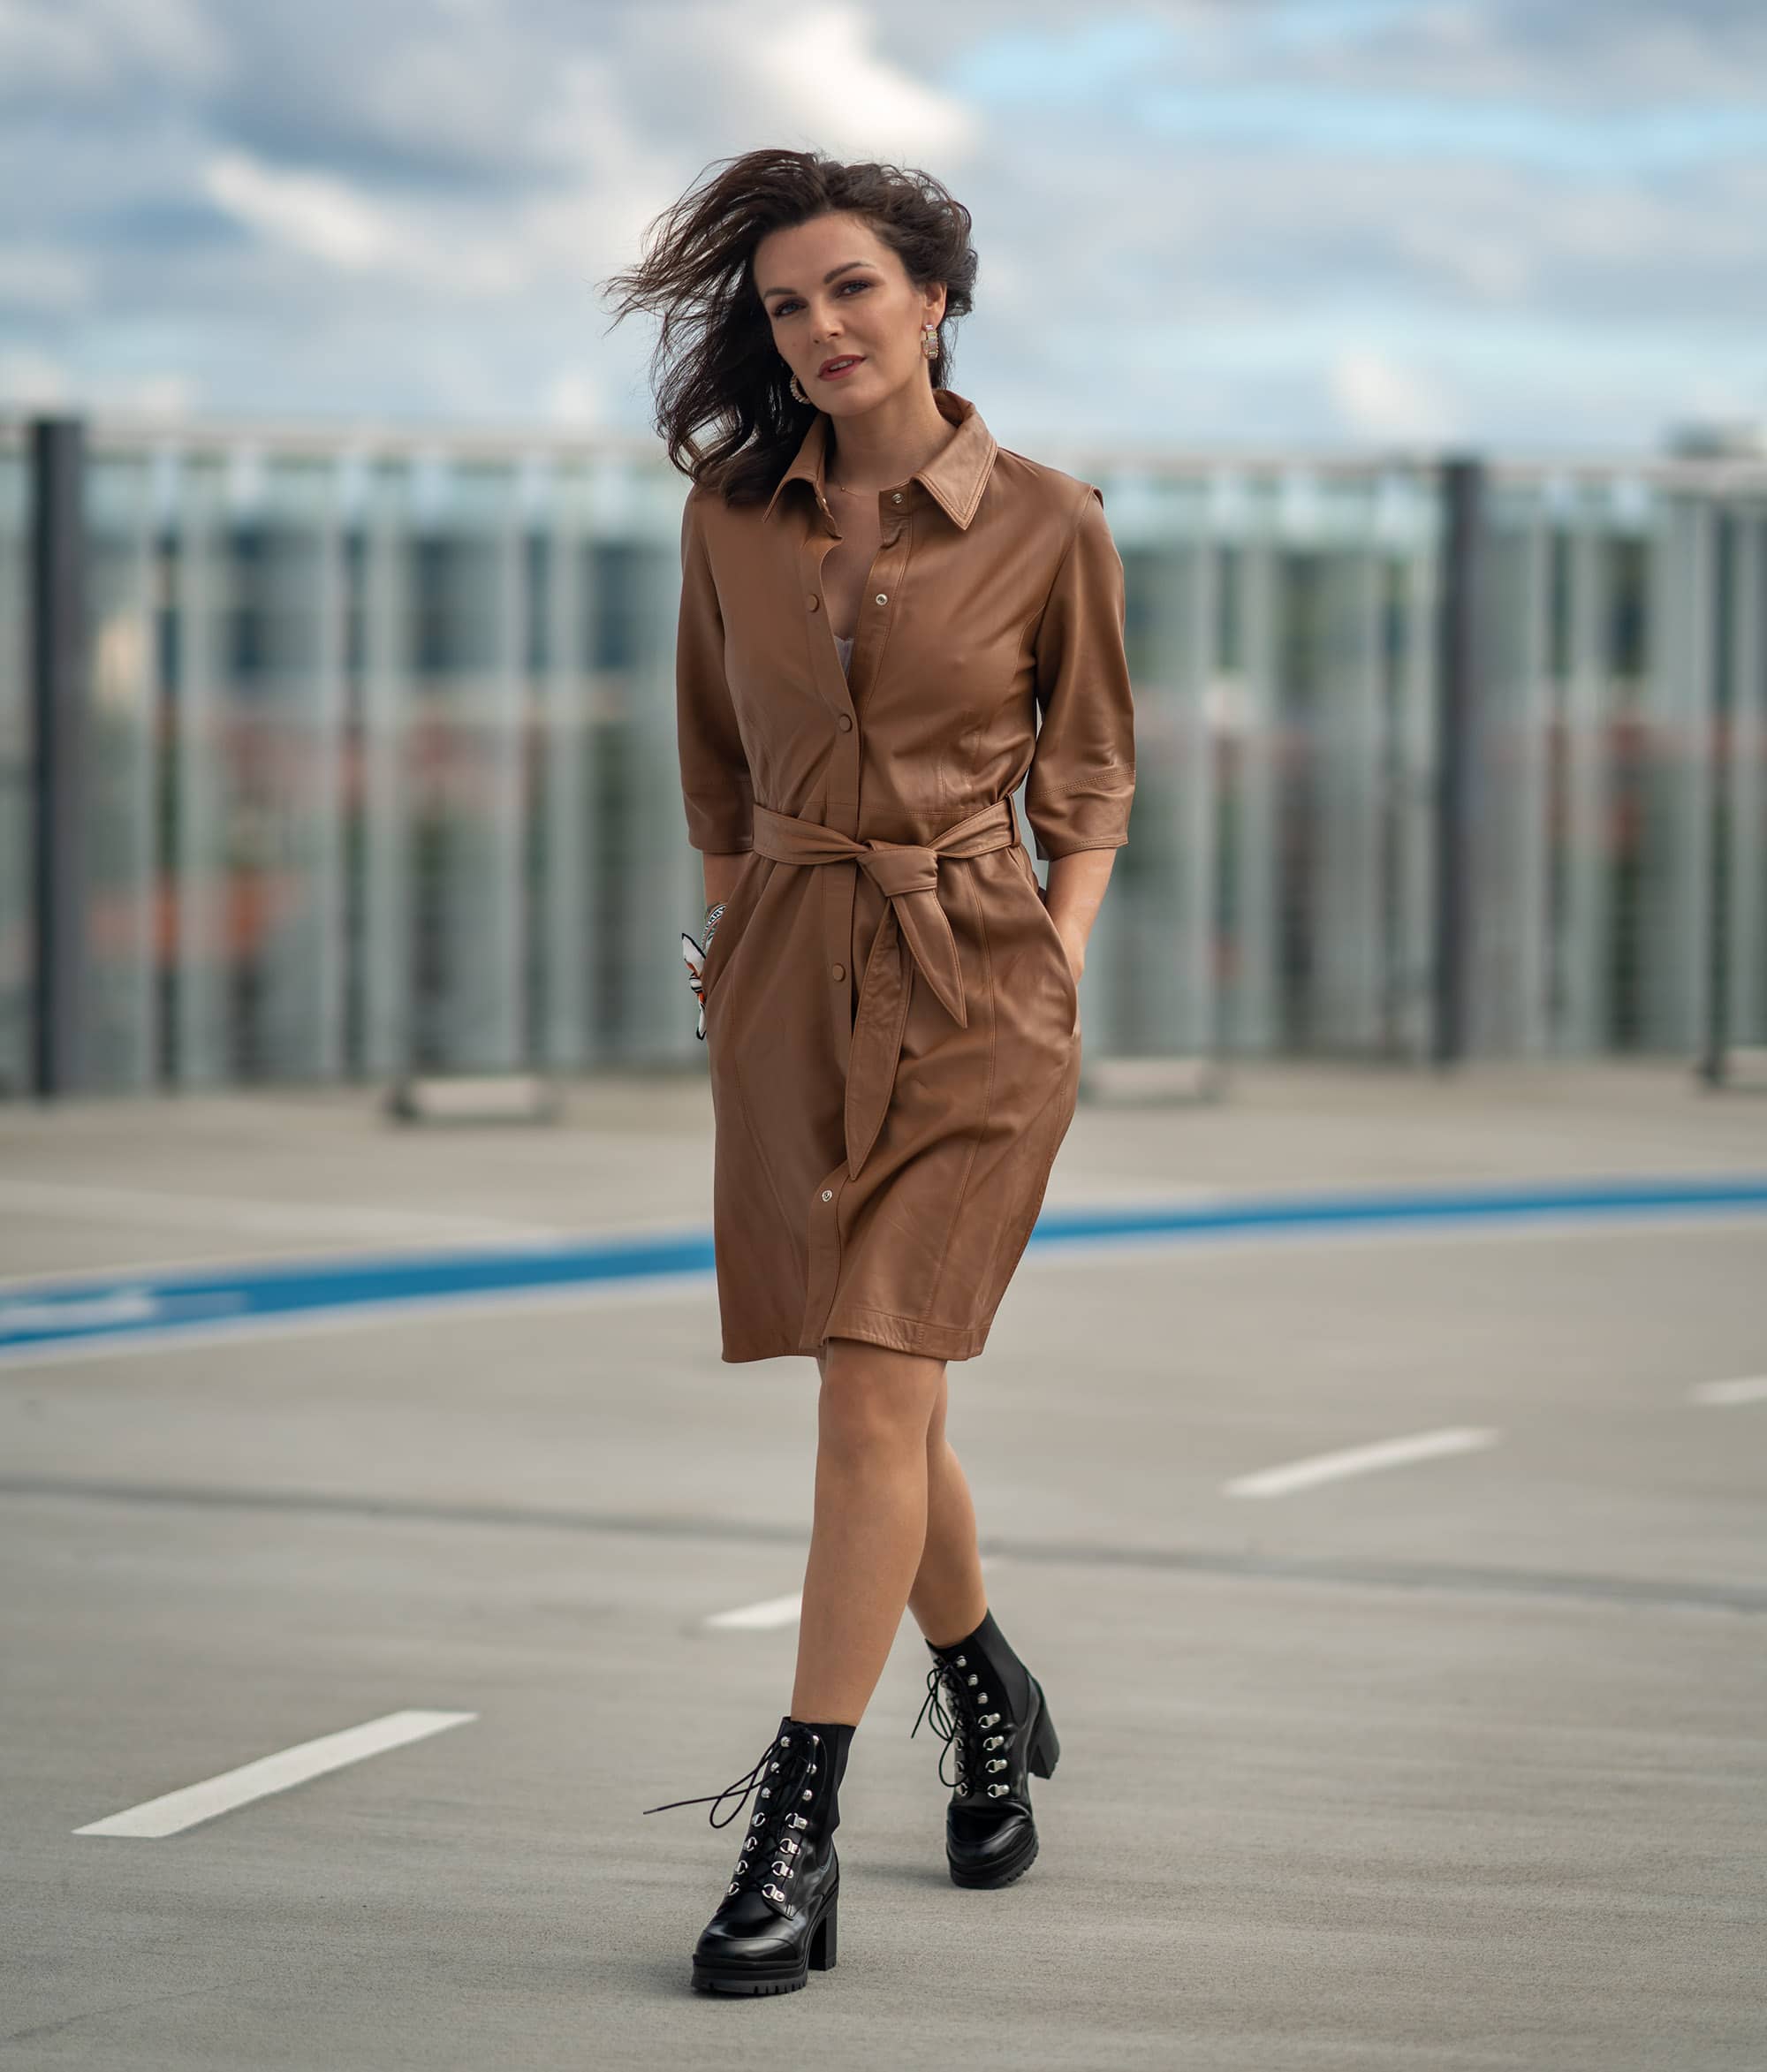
786 309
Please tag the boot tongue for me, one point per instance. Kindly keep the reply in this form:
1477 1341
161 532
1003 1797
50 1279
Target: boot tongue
834 1748
988 1658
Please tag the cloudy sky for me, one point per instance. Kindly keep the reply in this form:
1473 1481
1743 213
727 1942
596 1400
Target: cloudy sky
1535 224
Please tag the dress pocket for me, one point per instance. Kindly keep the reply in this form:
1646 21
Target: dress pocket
724 941
1058 948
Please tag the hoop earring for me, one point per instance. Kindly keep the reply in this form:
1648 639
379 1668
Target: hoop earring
929 340
797 389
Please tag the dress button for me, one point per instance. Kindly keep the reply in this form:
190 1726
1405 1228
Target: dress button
897 498
839 970
845 722
828 1193
813 604
882 597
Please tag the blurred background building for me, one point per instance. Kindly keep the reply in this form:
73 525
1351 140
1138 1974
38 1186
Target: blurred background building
1415 346
374 743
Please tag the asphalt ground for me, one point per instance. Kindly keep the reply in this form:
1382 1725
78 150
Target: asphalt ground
1445 1753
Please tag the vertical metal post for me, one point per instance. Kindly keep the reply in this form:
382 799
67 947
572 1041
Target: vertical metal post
1460 658
1714 1038
58 734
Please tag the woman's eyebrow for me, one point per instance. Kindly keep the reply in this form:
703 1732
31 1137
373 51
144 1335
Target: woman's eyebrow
827 277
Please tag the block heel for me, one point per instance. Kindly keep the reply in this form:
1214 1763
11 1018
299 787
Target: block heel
1045 1748
823 1942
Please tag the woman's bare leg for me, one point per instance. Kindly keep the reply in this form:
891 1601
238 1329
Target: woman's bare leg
870 1529
949 1599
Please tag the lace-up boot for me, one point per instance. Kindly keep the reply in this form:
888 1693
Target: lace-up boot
990 1711
776 1921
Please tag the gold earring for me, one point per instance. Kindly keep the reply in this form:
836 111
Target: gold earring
797 389
929 340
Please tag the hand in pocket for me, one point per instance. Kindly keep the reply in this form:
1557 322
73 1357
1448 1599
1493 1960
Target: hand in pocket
694 957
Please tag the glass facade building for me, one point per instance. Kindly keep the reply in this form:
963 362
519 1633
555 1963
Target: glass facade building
377 763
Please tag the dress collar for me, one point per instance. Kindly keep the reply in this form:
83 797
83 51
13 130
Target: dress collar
955 477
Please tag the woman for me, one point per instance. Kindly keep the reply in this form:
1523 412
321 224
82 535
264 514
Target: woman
877 603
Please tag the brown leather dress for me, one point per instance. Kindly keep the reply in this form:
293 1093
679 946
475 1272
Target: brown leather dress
891 1025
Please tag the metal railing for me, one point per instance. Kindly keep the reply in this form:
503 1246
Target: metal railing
326 757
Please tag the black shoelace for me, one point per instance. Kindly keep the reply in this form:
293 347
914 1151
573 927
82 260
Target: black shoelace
775 1831
961 1726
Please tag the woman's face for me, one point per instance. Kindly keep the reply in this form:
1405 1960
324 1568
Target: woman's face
832 291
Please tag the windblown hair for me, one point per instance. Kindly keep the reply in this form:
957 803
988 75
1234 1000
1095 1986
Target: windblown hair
724 406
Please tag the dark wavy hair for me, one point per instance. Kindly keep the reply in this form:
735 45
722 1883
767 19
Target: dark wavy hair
715 369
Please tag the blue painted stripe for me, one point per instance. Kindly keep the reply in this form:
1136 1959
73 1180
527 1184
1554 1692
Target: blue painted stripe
1593 1198
109 1306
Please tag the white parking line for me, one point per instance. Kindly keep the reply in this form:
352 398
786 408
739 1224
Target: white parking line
774 1611
784 1610
174 1811
1750 1388
1392 1453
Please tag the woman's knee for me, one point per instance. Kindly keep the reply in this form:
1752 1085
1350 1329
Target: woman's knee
876 1399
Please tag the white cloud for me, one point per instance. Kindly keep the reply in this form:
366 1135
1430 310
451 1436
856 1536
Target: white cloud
823 68
32 381
94 51
311 212
41 277
409 205
163 398
330 219
1378 397
573 400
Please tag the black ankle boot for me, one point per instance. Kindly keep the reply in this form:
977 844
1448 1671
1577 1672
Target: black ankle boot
777 1918
991 1709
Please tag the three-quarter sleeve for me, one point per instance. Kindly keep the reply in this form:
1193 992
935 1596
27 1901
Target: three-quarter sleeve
717 788
1082 772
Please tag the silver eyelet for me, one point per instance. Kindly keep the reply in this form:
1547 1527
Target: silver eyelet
997 1791
998 1763
994 1740
981 1697
780 1868
971 1678
963 1661
784 1741
807 1794
733 1887
773 1892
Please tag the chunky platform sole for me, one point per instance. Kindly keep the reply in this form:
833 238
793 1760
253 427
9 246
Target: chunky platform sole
1040 1756
1008 1872
783 1976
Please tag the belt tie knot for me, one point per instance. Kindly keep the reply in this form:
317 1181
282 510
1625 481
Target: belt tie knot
900 868
914 932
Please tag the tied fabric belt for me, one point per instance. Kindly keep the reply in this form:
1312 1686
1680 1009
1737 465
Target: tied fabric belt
914 931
